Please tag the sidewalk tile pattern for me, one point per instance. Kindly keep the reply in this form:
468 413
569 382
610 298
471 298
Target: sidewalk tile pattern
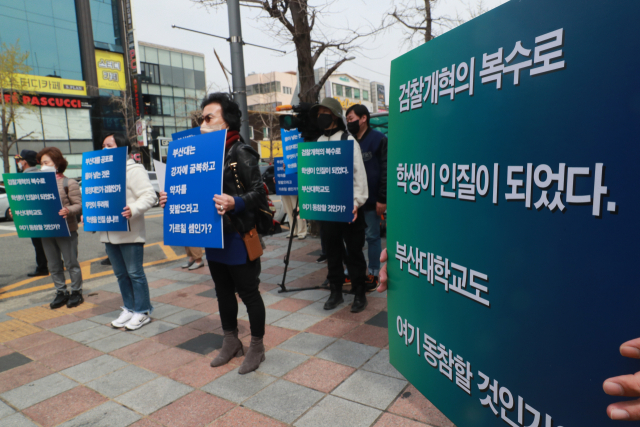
70 368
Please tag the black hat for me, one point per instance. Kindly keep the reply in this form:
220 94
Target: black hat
29 156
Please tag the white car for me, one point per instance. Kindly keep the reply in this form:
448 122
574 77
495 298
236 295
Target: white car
4 204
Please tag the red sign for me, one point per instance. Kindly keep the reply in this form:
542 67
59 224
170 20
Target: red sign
136 94
43 101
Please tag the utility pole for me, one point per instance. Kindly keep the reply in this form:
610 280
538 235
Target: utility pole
237 65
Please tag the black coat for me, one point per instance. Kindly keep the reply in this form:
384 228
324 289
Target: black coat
248 185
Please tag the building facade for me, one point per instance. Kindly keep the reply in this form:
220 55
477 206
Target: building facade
267 91
172 86
351 90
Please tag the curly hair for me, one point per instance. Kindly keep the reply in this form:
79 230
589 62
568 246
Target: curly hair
230 110
56 157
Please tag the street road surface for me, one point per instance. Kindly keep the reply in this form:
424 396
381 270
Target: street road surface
17 256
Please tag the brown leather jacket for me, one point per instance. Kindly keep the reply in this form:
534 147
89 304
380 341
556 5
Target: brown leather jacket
71 199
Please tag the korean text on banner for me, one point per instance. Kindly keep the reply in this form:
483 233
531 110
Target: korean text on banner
510 248
193 177
104 189
290 140
286 185
111 70
325 180
35 204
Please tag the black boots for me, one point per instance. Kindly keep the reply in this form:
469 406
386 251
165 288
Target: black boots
231 347
335 298
75 299
61 299
255 356
360 300
36 273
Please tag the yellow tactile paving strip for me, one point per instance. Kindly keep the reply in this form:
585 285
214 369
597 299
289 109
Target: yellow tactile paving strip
38 314
14 329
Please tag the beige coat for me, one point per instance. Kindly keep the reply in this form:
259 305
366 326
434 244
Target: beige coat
71 201
140 198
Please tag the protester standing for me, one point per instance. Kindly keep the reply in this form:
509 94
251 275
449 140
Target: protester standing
289 204
231 269
126 248
58 249
373 145
331 121
194 261
26 162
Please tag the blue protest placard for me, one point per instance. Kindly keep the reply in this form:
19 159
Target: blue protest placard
104 189
513 232
185 134
35 202
290 140
325 182
193 177
286 185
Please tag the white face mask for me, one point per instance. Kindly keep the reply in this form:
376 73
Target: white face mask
47 169
20 167
109 148
214 128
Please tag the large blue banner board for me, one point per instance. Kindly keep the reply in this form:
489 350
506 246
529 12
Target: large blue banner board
512 189
325 181
104 189
193 177
35 204
290 140
286 185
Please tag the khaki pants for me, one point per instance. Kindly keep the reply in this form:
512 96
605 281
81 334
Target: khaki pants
289 204
195 253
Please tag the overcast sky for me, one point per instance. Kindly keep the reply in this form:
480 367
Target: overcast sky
153 20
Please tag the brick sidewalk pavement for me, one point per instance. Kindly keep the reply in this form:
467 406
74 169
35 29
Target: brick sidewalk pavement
68 368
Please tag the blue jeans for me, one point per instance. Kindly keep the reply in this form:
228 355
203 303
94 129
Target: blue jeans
126 260
372 235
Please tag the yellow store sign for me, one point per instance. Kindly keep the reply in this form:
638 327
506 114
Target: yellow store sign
29 83
110 68
264 149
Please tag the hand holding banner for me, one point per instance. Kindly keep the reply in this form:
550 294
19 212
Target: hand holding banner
35 204
193 176
104 189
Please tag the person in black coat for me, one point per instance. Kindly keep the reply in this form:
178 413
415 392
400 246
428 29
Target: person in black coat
231 269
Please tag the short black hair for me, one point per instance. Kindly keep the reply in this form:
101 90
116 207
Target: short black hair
230 110
121 140
359 110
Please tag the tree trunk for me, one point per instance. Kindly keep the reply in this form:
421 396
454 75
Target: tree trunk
427 11
302 41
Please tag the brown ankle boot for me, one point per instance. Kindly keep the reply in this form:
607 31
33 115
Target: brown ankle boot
231 347
254 357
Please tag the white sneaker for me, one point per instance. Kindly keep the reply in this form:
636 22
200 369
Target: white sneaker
125 316
137 321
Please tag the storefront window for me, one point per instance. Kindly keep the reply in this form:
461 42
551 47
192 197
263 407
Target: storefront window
79 124
54 122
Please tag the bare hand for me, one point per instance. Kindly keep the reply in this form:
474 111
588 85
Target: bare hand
163 199
625 385
382 286
81 219
224 203
355 214
126 212
381 208
63 213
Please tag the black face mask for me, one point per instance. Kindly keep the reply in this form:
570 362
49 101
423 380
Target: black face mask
353 127
324 121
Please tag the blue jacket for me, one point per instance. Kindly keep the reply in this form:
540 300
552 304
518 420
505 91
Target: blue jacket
374 155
